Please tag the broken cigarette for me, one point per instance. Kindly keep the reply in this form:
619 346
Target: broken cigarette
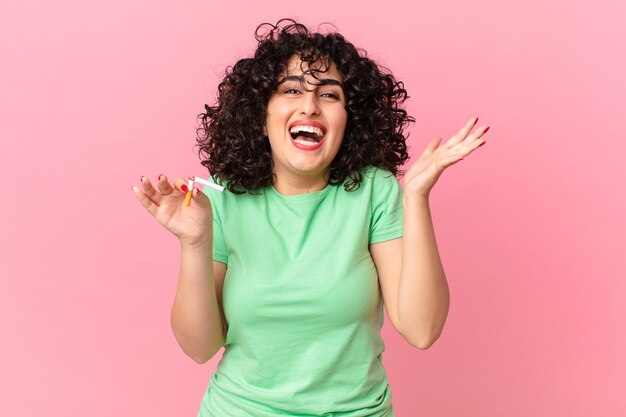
209 184
203 182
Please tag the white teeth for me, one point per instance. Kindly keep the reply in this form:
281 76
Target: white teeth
305 142
310 129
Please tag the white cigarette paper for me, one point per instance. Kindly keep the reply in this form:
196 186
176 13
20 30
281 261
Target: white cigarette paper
209 184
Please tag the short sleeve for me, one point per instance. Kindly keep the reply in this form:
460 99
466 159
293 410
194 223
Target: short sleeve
220 253
387 210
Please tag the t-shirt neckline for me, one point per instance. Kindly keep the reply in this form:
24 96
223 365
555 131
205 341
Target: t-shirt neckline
301 198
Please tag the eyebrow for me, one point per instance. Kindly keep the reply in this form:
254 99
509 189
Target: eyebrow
322 81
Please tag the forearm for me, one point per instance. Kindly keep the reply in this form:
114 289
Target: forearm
423 294
196 319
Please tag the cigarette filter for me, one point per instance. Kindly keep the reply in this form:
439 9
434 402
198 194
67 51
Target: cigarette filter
189 193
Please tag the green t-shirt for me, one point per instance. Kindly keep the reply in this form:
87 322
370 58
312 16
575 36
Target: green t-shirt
302 301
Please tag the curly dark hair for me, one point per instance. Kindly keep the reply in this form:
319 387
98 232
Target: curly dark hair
231 141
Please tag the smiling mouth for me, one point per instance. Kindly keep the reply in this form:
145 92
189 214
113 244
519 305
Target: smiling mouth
306 135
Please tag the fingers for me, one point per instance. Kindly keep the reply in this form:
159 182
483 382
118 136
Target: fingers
150 191
432 145
477 143
201 199
462 134
164 185
478 134
466 147
179 182
197 196
463 140
145 200
472 142
453 159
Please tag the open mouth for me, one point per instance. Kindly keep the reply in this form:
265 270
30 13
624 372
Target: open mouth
307 136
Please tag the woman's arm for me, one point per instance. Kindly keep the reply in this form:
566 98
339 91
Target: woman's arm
413 284
412 279
423 293
197 314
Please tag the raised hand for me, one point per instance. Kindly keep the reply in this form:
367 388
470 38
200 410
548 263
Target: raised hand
192 225
425 172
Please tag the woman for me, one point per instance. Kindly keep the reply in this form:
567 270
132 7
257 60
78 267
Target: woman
288 270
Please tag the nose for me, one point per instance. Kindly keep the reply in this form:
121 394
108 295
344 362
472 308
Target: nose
309 105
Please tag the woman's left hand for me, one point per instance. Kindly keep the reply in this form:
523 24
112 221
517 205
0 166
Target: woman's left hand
424 173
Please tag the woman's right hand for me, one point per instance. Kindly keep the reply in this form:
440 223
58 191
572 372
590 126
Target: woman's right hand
192 225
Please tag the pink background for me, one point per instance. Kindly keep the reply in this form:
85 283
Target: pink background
530 227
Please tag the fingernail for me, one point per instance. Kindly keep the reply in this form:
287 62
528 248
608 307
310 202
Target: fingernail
486 130
133 188
184 187
161 175
481 144
142 177
476 121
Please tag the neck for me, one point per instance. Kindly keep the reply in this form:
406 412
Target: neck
294 185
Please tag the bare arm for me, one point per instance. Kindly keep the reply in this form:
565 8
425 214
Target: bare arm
412 281
197 317
412 278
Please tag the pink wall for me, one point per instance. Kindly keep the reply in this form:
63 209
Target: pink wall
530 227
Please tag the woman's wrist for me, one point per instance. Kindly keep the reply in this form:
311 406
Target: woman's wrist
200 243
412 200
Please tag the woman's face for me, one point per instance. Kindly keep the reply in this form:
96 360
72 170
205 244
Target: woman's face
305 128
